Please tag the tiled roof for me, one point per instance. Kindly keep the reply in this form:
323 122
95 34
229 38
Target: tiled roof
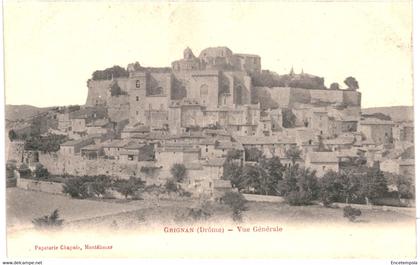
375 122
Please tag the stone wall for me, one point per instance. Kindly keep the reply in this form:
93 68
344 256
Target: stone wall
98 90
287 97
263 198
77 165
43 186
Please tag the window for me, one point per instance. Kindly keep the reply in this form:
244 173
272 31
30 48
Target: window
137 112
137 98
209 184
138 83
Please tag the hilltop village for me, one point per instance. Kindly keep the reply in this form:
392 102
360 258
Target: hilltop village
204 110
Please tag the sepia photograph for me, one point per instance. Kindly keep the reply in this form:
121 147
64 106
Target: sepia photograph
209 130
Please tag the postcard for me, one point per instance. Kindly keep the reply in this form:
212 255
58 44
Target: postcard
209 130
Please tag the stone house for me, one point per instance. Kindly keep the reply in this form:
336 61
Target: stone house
380 131
404 167
73 147
322 162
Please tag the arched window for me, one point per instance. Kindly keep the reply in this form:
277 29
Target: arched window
204 90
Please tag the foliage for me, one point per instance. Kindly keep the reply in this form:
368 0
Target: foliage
294 154
298 198
87 186
109 73
334 86
351 213
232 171
237 202
373 184
48 143
351 83
178 172
129 187
289 118
24 171
263 97
41 172
405 187
76 188
299 185
330 188
171 185
271 79
116 90
252 154
48 221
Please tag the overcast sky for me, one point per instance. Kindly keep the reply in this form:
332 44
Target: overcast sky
51 49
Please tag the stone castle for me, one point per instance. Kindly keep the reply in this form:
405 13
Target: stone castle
218 87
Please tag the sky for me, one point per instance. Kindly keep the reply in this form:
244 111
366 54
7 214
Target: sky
52 48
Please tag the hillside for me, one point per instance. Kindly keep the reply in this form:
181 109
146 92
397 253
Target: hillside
18 112
397 113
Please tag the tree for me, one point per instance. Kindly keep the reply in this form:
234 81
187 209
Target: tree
250 179
299 185
405 187
109 73
330 188
178 172
48 221
351 83
350 184
373 184
289 118
24 171
237 202
232 171
273 174
334 86
129 187
41 172
293 153
75 187
115 90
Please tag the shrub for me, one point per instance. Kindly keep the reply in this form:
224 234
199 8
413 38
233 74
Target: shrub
297 198
129 187
24 171
76 188
41 172
171 186
178 172
351 213
48 221
192 215
236 201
